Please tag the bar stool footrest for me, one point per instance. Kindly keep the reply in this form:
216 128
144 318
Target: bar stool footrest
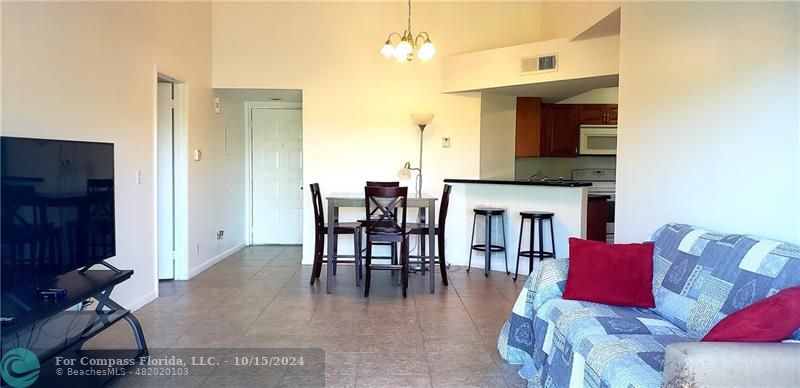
537 255
492 248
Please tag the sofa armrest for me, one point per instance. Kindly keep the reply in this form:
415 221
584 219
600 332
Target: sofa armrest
727 364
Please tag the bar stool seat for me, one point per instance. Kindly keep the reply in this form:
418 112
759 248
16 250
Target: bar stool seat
536 214
494 211
536 219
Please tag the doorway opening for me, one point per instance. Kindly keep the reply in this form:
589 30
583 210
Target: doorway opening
171 179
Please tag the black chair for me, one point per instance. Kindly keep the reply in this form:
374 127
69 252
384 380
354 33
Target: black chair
340 228
488 246
392 246
537 220
421 230
382 184
386 223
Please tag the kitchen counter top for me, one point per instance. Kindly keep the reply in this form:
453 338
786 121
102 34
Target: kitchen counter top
553 183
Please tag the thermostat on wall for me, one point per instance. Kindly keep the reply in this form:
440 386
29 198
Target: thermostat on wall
198 154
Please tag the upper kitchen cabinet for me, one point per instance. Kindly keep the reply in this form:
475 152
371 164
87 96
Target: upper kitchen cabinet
612 114
529 123
598 114
560 130
546 129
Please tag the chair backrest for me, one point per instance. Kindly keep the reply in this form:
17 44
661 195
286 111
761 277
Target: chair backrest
316 199
382 184
443 208
386 210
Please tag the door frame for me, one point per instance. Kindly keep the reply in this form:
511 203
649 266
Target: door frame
248 119
180 169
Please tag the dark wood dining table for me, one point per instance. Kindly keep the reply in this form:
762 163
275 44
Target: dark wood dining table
337 201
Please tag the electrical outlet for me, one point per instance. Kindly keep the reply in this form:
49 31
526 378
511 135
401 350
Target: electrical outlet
220 235
197 248
445 142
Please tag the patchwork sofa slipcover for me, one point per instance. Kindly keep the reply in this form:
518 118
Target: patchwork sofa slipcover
699 278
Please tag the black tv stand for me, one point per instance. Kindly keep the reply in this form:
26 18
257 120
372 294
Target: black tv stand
35 315
103 263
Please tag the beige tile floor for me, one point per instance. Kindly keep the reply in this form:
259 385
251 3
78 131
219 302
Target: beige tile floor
260 297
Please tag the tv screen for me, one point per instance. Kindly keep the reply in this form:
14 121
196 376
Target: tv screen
57 208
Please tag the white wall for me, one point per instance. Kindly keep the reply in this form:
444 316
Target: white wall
498 131
356 104
708 125
567 19
500 67
594 96
88 71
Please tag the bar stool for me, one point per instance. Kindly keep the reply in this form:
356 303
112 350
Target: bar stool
487 247
535 218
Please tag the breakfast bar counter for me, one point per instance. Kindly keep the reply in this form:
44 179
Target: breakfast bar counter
567 199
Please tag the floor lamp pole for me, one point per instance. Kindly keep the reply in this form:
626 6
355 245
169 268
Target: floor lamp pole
419 176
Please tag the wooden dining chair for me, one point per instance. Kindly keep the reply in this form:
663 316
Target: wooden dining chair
392 246
382 184
421 229
340 228
386 222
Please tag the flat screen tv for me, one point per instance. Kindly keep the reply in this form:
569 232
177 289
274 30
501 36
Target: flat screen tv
57 209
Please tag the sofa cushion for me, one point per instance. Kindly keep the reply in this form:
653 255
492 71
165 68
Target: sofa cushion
618 274
590 344
700 277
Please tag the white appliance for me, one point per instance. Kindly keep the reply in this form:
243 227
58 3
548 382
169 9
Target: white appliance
603 182
598 140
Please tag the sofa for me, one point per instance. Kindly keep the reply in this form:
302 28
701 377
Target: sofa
699 277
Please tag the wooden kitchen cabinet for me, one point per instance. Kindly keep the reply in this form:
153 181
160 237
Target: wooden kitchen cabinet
560 130
529 124
612 114
598 114
554 129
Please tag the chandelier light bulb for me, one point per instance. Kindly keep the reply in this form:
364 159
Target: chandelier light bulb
387 50
405 47
427 51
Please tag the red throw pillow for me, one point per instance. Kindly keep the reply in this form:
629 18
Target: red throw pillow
772 319
618 274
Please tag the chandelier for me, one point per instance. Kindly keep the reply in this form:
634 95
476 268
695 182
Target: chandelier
409 45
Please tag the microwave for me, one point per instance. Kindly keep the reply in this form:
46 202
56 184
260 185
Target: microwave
598 140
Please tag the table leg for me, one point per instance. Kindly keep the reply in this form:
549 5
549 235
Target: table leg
432 245
331 237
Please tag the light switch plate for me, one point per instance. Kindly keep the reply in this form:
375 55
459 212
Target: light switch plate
198 154
445 142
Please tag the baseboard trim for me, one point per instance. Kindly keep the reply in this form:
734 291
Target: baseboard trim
147 298
214 260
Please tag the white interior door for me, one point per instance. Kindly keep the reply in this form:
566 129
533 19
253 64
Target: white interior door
277 169
165 180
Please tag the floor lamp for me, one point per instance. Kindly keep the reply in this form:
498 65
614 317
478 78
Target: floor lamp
422 120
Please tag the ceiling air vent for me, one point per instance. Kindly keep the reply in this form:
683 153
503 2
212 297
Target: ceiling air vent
539 63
